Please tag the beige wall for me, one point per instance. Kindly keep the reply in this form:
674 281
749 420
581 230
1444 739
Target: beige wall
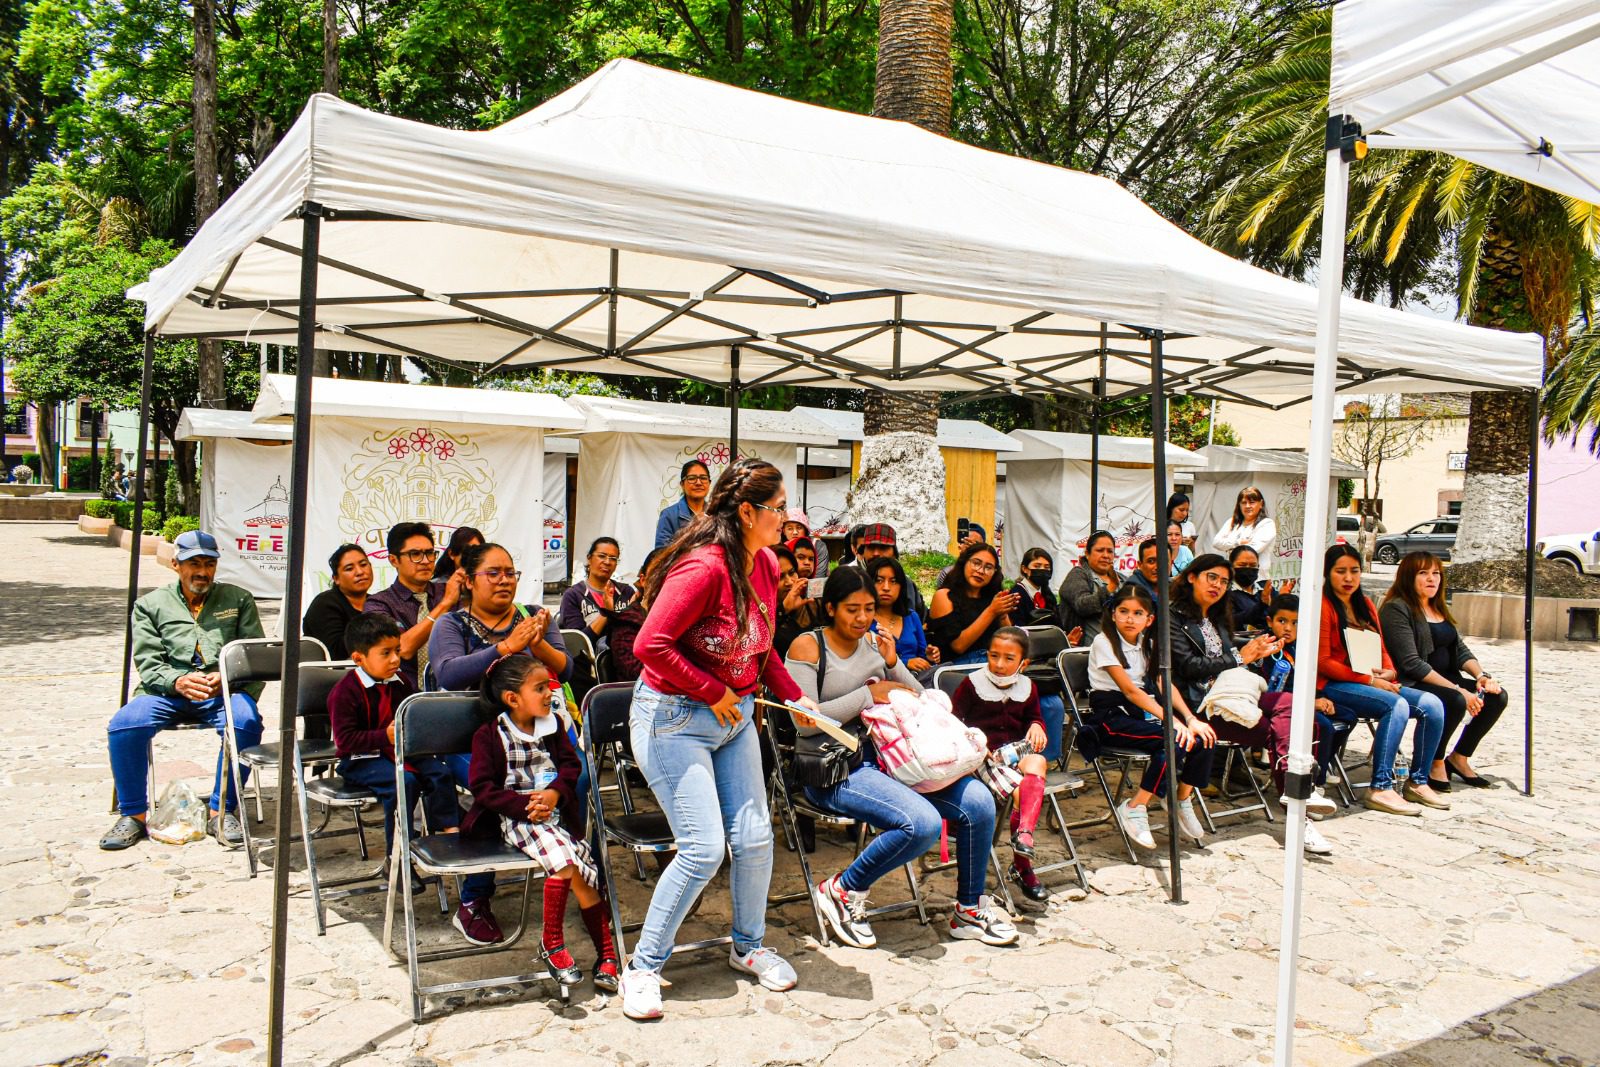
1413 489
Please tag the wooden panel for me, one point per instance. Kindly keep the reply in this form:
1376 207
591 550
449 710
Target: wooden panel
969 481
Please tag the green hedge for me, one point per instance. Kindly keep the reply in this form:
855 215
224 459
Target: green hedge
122 515
179 525
98 509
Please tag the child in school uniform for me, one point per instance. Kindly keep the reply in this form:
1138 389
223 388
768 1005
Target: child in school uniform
1125 712
524 777
1278 669
1003 702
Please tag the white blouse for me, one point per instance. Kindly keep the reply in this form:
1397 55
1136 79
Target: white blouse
1259 536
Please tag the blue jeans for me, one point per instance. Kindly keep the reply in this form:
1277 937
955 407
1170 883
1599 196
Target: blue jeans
909 822
1392 711
1054 710
135 723
707 779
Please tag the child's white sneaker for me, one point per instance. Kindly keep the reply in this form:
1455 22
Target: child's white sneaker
1135 823
641 994
1316 844
1189 823
1317 804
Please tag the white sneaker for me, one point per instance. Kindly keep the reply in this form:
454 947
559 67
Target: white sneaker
641 994
846 912
985 923
1316 804
1136 824
1188 822
1316 844
770 969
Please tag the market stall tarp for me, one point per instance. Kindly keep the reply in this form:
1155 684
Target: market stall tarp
1280 474
244 494
1536 122
1048 480
633 450
384 453
648 222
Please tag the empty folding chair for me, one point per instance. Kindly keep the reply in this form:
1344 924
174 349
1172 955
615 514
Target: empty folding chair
443 724
586 662
789 800
253 661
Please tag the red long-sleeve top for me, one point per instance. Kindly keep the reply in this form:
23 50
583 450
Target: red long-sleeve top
690 644
1333 659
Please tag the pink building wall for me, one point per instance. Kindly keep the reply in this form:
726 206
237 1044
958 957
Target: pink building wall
1569 488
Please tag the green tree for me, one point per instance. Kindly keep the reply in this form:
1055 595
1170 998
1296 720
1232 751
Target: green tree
1572 392
1520 254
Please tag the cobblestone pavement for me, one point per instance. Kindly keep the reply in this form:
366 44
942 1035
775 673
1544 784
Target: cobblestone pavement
1461 938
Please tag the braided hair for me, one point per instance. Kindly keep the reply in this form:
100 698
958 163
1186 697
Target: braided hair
505 675
747 481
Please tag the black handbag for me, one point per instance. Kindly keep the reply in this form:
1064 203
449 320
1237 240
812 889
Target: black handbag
820 761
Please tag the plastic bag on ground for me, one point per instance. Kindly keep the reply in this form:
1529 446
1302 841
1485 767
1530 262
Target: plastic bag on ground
180 816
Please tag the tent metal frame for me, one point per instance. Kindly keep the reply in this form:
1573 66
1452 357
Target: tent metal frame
819 365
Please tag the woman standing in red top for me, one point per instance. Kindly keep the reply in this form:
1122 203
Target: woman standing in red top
705 648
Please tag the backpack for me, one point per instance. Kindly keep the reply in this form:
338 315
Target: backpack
921 743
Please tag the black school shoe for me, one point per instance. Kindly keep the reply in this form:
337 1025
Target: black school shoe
126 833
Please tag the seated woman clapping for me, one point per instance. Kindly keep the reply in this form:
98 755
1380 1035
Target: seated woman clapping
847 670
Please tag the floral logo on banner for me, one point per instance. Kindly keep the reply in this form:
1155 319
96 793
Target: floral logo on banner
714 454
1289 511
416 474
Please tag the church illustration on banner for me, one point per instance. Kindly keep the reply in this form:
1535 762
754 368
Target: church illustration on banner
273 511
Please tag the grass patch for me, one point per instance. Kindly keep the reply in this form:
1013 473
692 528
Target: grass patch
923 569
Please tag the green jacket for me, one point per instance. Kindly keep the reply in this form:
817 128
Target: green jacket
165 634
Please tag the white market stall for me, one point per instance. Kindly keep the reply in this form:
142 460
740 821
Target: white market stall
971 452
244 494
632 451
1280 474
647 222
384 453
1052 477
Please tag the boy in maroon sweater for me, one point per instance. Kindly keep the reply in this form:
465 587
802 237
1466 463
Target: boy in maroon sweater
1003 703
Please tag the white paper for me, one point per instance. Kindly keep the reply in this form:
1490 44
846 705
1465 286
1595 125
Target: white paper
1365 648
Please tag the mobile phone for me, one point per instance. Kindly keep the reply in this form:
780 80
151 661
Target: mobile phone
962 526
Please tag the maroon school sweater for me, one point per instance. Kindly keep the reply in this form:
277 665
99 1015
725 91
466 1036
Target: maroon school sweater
1002 721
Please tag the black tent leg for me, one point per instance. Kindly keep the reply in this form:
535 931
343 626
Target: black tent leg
733 406
145 383
290 623
1527 595
1158 435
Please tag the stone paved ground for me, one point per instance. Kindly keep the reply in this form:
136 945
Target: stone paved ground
1462 938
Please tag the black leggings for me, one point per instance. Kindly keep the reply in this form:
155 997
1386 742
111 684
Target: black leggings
1455 709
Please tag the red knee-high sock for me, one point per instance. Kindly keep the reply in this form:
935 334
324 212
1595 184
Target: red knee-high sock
599 926
1030 801
555 917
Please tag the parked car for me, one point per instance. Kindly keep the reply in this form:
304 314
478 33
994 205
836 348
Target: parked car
1347 529
1581 552
1436 535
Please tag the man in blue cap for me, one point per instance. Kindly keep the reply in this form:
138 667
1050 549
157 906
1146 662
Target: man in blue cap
178 634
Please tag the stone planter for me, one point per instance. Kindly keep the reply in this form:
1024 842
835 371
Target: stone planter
91 525
1499 615
166 551
28 489
123 539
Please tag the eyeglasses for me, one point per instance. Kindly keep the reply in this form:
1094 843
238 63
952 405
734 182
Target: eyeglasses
698 479
604 558
980 567
421 555
496 574
1250 498
1213 578
781 509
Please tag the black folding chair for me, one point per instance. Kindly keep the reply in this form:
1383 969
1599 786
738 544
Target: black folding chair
442 724
585 661
248 662
789 800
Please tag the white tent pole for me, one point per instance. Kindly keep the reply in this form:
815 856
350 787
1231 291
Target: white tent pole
1319 451
1484 77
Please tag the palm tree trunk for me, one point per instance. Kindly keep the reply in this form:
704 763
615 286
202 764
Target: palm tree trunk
213 393
330 47
902 471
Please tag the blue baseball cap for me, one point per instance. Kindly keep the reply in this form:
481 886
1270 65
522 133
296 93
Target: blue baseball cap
195 543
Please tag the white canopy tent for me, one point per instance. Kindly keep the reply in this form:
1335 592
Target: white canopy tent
646 222
384 453
1509 84
244 494
1052 478
634 449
